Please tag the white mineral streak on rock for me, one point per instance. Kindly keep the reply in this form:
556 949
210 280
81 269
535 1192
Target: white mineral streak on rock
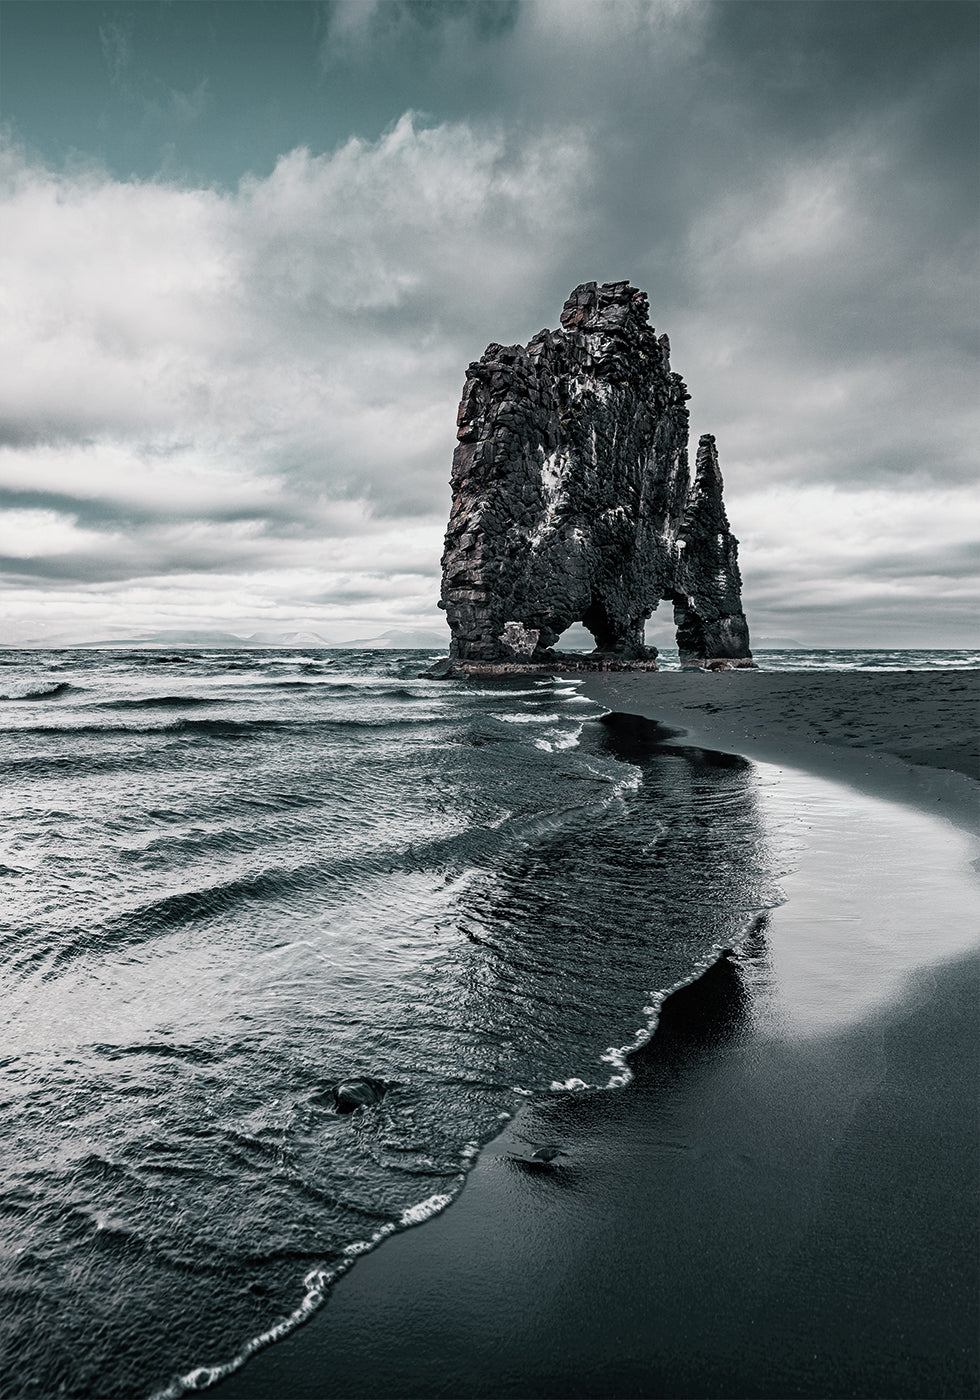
552 472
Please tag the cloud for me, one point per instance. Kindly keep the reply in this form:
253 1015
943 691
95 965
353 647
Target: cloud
132 479
238 376
25 534
419 32
207 390
817 554
827 343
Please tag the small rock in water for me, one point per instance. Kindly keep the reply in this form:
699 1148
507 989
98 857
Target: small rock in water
351 1094
541 1156
546 1154
439 670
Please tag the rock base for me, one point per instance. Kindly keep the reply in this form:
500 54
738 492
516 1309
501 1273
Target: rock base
448 668
719 663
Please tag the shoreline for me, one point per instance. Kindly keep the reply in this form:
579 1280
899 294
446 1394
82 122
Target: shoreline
911 737
601 1276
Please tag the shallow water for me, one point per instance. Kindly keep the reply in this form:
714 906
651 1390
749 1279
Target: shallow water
233 878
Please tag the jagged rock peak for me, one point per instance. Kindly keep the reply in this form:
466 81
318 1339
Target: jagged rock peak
615 307
572 498
708 601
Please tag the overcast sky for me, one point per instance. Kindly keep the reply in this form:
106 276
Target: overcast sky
248 250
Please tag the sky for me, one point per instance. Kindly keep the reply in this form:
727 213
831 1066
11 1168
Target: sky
248 249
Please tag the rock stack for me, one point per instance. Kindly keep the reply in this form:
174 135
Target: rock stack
572 501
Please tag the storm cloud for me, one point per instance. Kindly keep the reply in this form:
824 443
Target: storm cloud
230 372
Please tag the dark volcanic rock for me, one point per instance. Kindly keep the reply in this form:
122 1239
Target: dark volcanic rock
707 585
572 498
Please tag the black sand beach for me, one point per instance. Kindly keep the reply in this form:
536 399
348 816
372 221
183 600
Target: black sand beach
761 1212
912 736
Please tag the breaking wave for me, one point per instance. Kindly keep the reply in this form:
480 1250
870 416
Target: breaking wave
50 692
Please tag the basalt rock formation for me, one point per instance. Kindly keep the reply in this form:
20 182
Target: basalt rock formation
573 499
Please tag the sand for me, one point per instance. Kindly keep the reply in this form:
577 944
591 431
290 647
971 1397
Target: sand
910 735
765 1211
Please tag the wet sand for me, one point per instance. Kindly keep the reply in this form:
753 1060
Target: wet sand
912 736
760 1213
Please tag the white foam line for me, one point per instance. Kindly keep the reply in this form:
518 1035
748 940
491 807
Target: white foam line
526 719
425 1210
567 741
561 738
317 1283
486 694
618 1055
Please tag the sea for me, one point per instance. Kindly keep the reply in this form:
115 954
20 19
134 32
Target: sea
232 880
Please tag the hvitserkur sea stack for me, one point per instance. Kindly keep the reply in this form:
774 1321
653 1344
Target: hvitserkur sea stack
573 499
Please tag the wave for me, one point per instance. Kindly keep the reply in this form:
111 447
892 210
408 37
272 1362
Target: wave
73 765
164 915
305 662
109 730
560 740
349 688
527 719
445 855
239 728
159 917
214 728
194 1054
159 702
50 692
81 729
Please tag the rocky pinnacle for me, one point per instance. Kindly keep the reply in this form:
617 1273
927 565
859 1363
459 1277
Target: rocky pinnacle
573 499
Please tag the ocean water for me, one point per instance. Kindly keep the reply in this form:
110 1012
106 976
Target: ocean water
232 879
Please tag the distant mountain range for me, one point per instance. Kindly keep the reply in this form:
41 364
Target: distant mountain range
407 638
180 637
286 639
176 637
576 638
423 639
